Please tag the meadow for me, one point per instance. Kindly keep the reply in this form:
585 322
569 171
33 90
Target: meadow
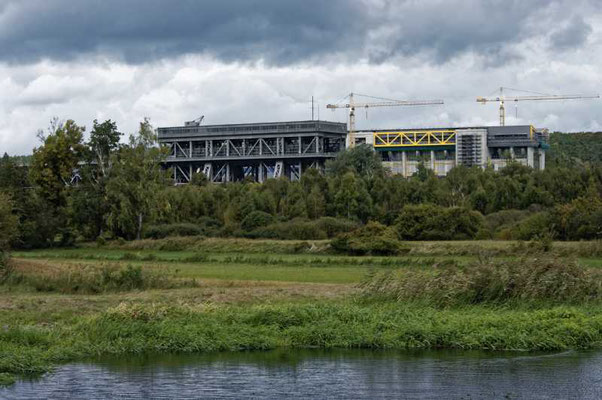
192 294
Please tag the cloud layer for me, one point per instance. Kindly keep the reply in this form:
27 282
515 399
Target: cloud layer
252 60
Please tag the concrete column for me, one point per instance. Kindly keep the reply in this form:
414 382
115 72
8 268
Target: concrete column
404 162
432 160
260 147
300 144
530 157
190 149
542 159
317 144
228 172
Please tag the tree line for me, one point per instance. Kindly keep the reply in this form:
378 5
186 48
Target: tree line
120 190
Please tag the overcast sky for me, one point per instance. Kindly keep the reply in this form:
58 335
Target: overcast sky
240 61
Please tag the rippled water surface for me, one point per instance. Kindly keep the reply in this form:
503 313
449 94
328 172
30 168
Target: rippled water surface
320 374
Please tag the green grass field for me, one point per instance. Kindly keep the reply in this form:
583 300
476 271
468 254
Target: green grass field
191 294
320 267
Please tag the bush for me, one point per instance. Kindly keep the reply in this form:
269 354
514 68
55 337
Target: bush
499 225
532 227
333 226
489 281
373 238
256 219
181 229
581 219
296 229
431 222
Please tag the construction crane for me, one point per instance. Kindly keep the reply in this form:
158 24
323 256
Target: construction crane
501 98
352 105
195 122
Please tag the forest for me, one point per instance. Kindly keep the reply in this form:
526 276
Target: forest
121 192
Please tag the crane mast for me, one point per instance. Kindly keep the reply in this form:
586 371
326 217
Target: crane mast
501 99
352 105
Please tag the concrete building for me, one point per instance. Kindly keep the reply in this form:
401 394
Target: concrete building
441 149
258 151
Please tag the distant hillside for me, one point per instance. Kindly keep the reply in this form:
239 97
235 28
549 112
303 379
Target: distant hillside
584 146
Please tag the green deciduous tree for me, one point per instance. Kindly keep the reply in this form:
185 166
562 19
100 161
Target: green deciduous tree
135 182
88 200
54 162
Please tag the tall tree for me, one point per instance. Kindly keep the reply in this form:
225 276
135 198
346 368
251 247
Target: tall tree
52 169
352 200
55 161
88 200
104 140
362 160
135 182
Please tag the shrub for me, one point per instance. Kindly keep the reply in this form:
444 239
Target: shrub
333 226
101 241
431 222
581 219
256 219
532 227
488 281
181 229
296 229
373 238
499 224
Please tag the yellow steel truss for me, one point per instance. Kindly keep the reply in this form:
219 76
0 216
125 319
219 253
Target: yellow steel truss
415 138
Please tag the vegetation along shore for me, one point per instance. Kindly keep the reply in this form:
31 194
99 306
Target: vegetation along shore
351 257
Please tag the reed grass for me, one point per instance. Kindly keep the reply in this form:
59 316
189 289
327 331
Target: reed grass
542 279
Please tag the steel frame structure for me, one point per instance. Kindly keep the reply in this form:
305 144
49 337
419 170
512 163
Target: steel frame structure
226 153
444 137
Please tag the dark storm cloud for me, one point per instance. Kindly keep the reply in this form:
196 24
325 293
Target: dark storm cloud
277 31
142 30
573 34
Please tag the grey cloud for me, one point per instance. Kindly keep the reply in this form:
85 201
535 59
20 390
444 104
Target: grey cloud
142 30
277 31
445 29
572 35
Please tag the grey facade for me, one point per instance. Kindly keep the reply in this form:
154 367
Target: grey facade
440 149
257 151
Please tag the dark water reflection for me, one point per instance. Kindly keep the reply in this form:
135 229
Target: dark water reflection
324 374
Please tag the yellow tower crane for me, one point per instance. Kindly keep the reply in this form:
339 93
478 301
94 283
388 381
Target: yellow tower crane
501 98
352 105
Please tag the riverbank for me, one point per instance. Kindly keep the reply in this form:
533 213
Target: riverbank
33 343
52 312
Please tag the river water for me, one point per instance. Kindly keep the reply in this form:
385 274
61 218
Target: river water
324 374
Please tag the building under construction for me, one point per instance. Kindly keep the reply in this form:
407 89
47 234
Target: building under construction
258 151
441 149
